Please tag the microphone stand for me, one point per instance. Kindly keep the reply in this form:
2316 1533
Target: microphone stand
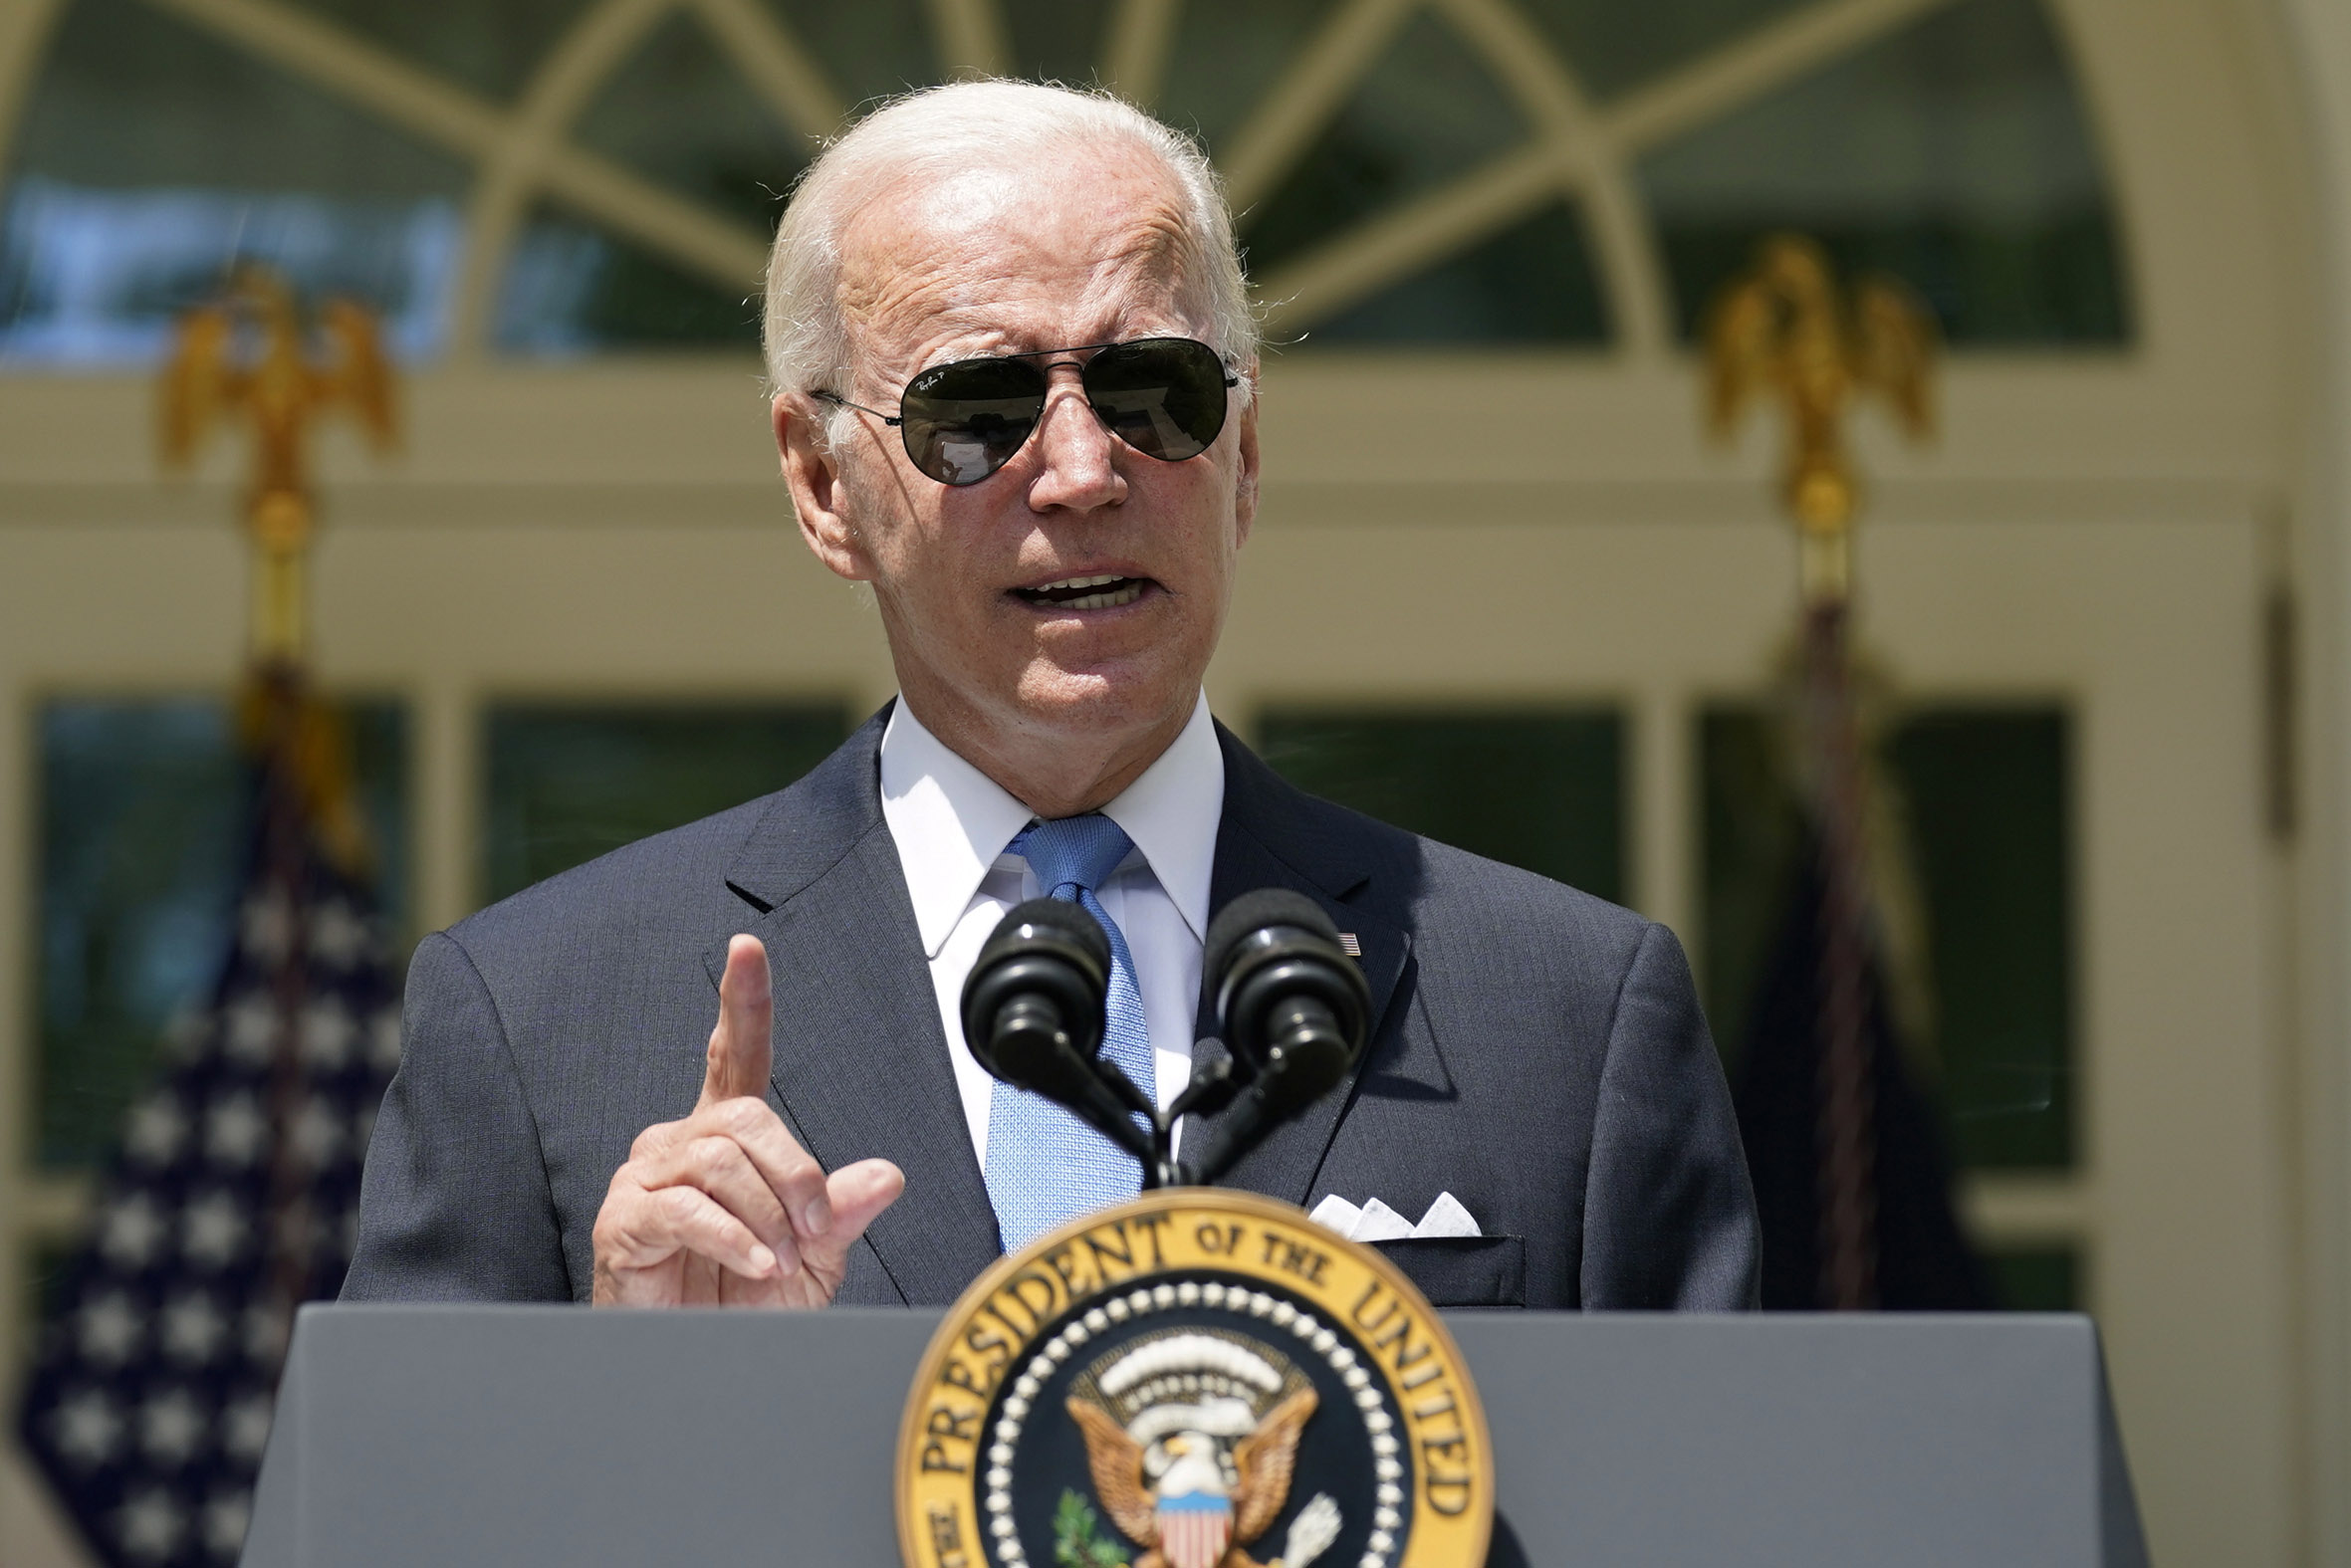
1212 1089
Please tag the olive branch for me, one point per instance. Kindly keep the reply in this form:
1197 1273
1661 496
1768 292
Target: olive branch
1075 1545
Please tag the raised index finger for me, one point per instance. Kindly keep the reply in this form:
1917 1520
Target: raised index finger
738 1064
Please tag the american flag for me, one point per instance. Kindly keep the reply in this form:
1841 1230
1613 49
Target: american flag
231 1199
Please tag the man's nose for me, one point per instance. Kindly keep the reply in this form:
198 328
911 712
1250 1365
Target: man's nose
1076 467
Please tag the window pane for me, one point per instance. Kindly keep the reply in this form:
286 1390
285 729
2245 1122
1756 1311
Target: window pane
1225 55
730 154
142 839
2037 1278
1986 792
1544 791
873 49
569 782
1427 112
1530 283
491 48
1749 832
1058 40
47 1266
1612 46
1954 153
151 154
572 289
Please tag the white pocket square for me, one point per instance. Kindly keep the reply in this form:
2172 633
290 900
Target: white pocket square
1376 1222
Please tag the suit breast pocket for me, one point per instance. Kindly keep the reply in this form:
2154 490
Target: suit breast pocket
1464 1270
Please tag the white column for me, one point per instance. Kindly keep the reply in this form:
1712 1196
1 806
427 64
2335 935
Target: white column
1663 811
2318 35
449 796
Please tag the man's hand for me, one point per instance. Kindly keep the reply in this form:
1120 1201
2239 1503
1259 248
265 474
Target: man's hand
725 1208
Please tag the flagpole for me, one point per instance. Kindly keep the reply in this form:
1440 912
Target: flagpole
1785 331
249 355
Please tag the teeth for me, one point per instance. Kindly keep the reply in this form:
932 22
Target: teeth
1125 596
1042 596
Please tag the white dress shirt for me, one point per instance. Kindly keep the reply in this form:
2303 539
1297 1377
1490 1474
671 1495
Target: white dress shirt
952 823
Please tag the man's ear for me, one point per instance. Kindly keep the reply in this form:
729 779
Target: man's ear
1246 475
818 498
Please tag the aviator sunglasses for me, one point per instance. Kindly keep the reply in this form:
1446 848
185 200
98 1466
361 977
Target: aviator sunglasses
962 421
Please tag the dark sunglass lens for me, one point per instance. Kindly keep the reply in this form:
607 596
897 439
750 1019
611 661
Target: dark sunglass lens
1163 396
964 421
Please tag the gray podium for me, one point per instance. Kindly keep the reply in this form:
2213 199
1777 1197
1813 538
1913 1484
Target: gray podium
514 1435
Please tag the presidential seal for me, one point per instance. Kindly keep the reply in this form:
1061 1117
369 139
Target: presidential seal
1198 1379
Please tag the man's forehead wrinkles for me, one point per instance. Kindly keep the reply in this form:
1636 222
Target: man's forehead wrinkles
1101 261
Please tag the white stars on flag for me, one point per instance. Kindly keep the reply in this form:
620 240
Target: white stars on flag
151 1526
328 1035
245 1427
234 1195
265 1332
226 1515
250 1025
130 1231
109 1328
194 1328
171 1427
338 936
158 1130
317 1130
235 1130
87 1427
213 1229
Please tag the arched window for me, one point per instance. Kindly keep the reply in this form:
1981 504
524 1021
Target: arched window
552 177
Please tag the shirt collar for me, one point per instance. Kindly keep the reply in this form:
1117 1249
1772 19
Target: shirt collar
1172 812
950 820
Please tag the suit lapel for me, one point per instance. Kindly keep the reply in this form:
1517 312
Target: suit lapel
1276 835
860 1061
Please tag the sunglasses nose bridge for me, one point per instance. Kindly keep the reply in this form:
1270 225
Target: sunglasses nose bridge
1073 447
1069 402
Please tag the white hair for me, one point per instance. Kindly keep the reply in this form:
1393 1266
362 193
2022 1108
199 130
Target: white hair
940 131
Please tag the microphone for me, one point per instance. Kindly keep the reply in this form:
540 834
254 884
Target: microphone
1033 1014
1291 1009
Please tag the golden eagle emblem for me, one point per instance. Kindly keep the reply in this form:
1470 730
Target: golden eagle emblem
1786 329
1192 1438
249 356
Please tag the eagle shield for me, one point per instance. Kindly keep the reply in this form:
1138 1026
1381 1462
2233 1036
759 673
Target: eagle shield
1195 1529
1191 1438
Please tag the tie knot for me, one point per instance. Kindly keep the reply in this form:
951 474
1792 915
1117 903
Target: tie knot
1073 852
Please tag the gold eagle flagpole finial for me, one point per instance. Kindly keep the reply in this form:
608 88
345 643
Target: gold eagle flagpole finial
247 356
1785 329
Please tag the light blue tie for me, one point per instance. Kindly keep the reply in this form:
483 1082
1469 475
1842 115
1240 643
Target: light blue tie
1045 1166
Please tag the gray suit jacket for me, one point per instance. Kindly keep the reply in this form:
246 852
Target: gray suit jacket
1536 1051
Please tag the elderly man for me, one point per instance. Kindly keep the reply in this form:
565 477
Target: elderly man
1015 380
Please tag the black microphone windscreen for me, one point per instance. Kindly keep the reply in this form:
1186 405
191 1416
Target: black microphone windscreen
1052 916
1252 912
1044 953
